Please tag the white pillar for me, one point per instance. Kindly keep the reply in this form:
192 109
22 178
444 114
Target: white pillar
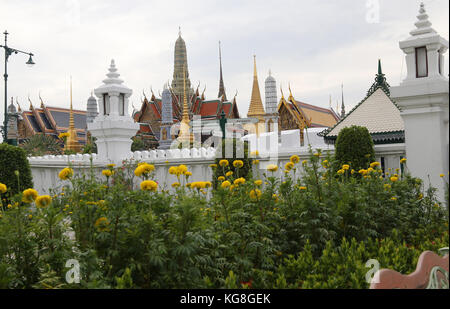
424 104
113 131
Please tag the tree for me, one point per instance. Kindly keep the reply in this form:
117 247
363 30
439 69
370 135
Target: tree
40 144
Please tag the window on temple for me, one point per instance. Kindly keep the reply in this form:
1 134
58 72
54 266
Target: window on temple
105 104
421 62
121 104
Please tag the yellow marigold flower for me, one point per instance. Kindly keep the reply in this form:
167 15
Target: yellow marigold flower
181 170
272 167
352 172
188 174
255 162
394 179
172 170
43 201
374 164
255 194
213 165
223 163
30 216
62 135
29 195
228 174
363 172
149 185
208 184
304 162
317 154
111 165
275 197
66 173
175 184
341 172
3 188
107 173
403 161
420 196
221 178
238 163
225 184
188 185
289 166
232 187
239 181
387 186
393 198
345 167
102 224
441 175
325 162
295 159
258 182
302 188
369 170
254 153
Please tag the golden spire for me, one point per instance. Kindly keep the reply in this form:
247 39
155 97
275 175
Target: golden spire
185 105
256 107
71 121
72 140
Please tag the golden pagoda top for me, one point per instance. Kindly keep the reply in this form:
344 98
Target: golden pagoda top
72 140
256 107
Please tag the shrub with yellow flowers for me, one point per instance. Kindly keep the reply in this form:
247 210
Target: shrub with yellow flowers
184 233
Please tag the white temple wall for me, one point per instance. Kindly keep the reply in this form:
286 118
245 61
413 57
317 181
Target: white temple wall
45 169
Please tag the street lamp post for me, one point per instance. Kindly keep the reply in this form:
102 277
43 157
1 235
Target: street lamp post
8 52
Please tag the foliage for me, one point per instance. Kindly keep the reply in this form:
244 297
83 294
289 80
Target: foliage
232 150
310 228
14 159
138 144
40 145
354 146
91 146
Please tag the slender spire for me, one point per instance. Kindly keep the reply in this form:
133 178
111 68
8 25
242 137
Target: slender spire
185 105
71 121
256 107
222 93
343 105
380 82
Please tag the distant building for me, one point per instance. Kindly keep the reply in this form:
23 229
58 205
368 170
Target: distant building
50 121
296 115
153 128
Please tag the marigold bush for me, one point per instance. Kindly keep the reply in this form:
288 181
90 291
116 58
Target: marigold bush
312 231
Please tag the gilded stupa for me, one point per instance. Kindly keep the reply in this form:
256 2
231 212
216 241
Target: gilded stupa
72 140
256 108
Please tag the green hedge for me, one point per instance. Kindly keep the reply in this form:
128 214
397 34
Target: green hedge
354 146
13 159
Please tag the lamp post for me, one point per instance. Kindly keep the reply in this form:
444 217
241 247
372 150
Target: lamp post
8 52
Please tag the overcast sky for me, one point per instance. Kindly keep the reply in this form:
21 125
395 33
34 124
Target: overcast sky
313 45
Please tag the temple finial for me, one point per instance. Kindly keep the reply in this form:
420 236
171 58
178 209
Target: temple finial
343 105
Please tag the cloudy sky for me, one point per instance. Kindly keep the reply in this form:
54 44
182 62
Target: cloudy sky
313 45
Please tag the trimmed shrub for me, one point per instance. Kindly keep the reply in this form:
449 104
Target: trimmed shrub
13 159
354 146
